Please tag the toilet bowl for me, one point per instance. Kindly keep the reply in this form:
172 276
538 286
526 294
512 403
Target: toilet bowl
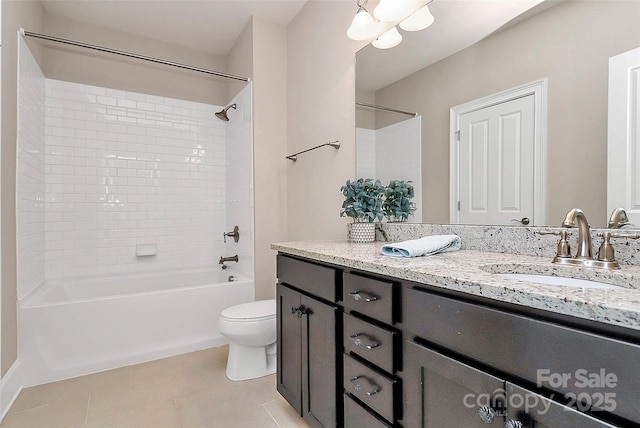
251 330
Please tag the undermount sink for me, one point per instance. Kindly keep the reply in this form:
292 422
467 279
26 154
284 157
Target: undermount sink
559 280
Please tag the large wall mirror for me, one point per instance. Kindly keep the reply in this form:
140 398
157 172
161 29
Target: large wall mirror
565 43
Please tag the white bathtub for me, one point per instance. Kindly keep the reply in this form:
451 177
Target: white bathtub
86 326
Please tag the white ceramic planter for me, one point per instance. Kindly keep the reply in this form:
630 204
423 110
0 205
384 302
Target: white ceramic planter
362 233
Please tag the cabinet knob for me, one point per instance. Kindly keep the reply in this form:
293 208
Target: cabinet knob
360 383
363 295
299 311
488 414
512 423
364 340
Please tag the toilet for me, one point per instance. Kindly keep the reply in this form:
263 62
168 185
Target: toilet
251 330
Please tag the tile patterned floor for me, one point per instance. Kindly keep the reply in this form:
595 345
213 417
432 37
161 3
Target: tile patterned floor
185 391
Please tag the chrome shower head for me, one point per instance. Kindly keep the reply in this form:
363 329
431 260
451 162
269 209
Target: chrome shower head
222 114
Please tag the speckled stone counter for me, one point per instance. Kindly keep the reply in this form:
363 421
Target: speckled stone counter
470 271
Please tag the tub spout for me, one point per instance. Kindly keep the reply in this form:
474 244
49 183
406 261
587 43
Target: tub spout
228 259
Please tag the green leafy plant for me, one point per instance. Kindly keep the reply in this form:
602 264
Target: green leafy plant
397 205
363 200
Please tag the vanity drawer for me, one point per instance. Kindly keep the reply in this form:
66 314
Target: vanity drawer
373 343
371 297
372 388
538 351
357 416
315 279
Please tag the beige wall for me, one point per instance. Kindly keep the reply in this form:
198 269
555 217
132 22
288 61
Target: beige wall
260 52
570 45
321 97
240 60
15 14
269 149
96 68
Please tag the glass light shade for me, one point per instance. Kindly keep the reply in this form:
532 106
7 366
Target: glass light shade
362 27
388 39
392 10
420 20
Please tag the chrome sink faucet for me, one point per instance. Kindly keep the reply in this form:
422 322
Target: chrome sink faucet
618 219
584 256
576 218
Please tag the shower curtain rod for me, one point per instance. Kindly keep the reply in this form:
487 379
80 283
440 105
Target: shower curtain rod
130 55
387 109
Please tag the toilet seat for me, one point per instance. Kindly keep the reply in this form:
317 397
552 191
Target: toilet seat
261 310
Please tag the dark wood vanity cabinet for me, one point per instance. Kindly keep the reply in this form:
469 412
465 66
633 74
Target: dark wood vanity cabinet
443 392
363 350
372 342
494 367
308 339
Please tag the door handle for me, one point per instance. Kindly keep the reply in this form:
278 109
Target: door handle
524 220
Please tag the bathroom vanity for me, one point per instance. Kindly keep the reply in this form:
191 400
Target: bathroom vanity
446 341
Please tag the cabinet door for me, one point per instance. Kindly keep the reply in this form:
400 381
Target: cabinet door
535 411
289 341
319 356
443 393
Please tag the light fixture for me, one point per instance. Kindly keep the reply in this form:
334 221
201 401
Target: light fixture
411 15
393 10
388 39
419 20
362 27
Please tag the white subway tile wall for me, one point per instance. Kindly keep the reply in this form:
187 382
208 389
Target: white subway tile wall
124 169
398 157
30 184
392 153
365 153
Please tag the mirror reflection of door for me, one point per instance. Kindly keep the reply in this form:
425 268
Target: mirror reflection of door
497 153
496 164
623 181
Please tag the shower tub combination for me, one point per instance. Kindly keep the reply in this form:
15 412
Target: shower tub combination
79 327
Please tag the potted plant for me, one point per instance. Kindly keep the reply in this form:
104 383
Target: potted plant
397 205
363 203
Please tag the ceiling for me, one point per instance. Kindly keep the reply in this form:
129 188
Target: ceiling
208 25
213 26
458 25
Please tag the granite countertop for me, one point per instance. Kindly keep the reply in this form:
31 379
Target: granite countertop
469 272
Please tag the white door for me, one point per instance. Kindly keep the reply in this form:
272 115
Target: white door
623 153
496 164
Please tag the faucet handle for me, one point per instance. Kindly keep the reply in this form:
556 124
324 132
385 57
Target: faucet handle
564 250
606 252
623 235
554 232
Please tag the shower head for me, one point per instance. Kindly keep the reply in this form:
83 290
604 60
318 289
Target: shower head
222 114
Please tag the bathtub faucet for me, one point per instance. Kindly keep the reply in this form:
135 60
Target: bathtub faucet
227 259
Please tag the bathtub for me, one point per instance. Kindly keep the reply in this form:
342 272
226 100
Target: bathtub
73 328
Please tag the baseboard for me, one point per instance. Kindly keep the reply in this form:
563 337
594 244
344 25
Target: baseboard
10 386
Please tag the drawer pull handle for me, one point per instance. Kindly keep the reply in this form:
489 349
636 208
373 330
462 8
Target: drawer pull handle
364 340
358 381
363 295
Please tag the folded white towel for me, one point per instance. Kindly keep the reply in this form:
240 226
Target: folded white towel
426 246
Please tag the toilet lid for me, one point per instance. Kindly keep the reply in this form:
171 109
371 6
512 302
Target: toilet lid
254 310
